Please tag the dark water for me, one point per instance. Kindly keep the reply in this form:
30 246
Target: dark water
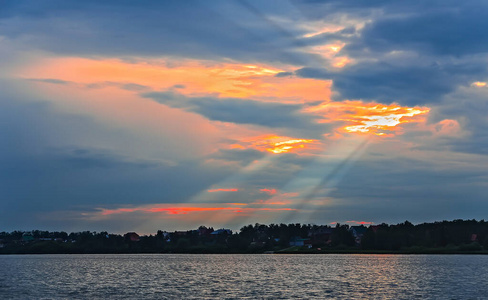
168 276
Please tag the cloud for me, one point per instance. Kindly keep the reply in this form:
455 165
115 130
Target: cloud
242 156
419 189
223 190
452 30
51 160
240 111
387 83
467 107
51 80
268 191
216 30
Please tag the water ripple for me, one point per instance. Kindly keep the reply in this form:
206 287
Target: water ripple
169 276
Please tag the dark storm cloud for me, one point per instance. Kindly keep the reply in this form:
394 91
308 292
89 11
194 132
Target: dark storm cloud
240 111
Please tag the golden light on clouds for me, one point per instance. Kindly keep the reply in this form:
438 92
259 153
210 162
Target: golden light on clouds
330 52
276 144
371 118
316 30
479 84
286 146
183 210
223 190
341 62
188 77
384 122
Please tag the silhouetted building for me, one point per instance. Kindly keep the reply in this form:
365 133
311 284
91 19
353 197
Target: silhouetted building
132 236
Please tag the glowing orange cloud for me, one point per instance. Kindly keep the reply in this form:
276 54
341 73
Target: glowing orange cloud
223 190
341 61
189 77
330 52
372 117
479 84
275 144
268 191
183 210
168 210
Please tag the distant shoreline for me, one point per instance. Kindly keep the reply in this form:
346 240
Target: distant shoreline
446 237
301 252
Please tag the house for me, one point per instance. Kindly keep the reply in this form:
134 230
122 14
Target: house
132 236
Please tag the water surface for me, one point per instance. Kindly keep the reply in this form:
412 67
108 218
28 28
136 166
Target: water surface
173 276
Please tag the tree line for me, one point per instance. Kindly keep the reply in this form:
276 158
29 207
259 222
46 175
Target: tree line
457 236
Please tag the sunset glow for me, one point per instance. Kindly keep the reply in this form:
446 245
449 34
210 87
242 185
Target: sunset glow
371 118
121 115
276 144
286 146
268 191
183 210
479 84
223 190
188 77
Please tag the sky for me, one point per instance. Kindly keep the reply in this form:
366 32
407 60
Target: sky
166 115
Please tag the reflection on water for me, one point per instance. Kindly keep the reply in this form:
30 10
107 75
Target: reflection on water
168 276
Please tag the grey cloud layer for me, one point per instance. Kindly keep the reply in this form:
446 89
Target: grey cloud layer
196 29
52 161
242 111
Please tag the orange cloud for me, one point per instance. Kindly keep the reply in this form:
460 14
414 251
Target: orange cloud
190 77
223 190
168 210
183 210
479 84
447 127
373 118
341 61
276 144
268 191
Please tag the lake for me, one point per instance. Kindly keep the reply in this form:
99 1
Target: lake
193 276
